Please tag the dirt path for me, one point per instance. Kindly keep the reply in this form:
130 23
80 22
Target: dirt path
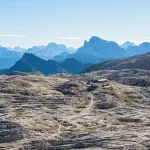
87 110
72 119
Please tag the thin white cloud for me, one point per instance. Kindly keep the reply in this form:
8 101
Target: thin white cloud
14 35
66 37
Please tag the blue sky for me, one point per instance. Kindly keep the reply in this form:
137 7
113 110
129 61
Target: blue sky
37 22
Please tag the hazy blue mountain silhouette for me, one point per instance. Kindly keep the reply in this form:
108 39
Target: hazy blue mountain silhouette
8 58
49 51
141 49
32 63
61 57
17 49
127 44
97 50
93 51
73 66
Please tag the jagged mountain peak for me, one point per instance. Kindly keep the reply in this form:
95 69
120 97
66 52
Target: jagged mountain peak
127 44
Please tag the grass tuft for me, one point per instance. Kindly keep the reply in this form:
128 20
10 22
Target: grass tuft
19 112
82 105
127 98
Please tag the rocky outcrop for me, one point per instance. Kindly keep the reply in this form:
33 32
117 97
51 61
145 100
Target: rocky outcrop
135 62
105 105
10 132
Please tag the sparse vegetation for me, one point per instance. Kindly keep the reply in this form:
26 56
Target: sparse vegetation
89 129
19 112
53 129
82 105
111 89
127 98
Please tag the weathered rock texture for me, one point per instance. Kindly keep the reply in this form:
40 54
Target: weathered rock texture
59 112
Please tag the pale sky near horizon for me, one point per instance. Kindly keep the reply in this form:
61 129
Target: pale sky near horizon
26 23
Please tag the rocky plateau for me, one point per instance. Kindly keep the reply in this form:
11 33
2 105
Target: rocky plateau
62 112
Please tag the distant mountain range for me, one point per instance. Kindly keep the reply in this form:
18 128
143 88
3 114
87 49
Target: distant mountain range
61 57
141 49
17 49
127 44
93 51
49 51
32 63
97 50
135 62
8 58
